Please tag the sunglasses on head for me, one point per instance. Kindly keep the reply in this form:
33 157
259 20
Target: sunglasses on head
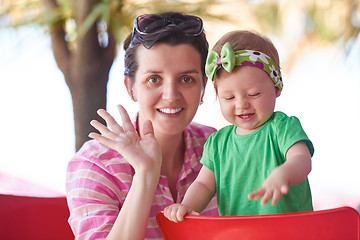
152 23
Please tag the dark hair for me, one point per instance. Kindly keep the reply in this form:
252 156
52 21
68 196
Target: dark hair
171 35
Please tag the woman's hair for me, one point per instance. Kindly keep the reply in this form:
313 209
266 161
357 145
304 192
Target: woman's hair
171 35
247 40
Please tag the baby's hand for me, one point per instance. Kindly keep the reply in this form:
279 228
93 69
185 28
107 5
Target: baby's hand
177 211
275 186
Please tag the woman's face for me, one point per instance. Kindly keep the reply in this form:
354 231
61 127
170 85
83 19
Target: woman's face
168 86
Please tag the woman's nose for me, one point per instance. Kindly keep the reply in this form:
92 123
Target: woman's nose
171 91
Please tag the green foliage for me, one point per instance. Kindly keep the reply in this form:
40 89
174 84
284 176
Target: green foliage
327 19
119 15
100 11
270 20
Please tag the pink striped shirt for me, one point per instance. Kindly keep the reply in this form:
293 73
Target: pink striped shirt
99 179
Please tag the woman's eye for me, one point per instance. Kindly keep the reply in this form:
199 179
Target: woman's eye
187 79
153 80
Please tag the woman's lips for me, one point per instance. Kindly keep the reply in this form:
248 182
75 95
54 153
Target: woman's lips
170 110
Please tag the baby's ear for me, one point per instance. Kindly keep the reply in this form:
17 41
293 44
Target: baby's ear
278 92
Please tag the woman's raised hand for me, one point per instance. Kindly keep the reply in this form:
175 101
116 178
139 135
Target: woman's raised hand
143 154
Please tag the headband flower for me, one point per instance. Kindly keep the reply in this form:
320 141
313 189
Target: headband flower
229 59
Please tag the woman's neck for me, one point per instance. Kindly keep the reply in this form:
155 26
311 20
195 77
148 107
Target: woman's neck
172 149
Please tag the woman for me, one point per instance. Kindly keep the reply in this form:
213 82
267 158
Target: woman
117 184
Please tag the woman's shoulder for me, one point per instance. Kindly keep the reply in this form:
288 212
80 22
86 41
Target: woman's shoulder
94 150
200 130
195 136
95 153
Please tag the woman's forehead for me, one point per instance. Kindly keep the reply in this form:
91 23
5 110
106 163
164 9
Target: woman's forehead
163 56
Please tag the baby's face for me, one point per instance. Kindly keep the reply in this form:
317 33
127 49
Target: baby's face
247 98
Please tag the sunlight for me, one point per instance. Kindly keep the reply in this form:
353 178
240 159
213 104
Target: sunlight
322 89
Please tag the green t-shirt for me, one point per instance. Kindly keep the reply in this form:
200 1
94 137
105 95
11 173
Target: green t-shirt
242 163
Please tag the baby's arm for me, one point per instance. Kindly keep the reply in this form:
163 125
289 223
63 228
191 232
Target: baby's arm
293 171
196 198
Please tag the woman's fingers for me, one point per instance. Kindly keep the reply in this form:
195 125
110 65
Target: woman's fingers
103 129
126 122
110 121
148 129
104 140
113 129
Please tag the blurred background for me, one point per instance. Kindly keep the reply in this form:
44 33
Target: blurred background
60 61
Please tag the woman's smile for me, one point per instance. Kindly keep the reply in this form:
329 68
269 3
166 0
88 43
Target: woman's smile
168 86
170 110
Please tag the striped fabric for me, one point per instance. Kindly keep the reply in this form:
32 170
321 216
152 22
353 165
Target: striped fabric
99 179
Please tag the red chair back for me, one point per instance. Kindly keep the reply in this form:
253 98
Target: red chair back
25 217
338 223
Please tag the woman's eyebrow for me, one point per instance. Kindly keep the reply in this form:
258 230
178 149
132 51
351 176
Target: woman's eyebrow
150 71
191 71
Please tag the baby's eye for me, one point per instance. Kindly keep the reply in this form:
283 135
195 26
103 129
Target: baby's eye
254 95
229 98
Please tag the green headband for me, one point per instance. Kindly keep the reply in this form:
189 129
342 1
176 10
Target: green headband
229 59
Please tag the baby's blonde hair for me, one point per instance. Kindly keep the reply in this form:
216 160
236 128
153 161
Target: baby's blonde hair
246 40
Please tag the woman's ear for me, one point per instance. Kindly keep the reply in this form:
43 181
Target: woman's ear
203 91
127 82
205 82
